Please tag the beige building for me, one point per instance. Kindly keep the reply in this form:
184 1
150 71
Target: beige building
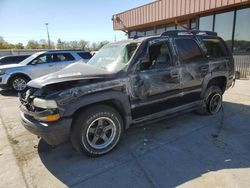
229 18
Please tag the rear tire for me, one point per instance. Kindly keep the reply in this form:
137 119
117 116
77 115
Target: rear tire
212 101
19 83
96 130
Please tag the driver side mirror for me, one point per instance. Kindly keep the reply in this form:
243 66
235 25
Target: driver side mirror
144 63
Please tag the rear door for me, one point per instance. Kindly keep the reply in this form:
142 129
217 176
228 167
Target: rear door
62 60
194 67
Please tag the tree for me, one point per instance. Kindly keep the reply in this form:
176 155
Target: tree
32 44
19 46
43 44
101 44
59 44
83 45
4 44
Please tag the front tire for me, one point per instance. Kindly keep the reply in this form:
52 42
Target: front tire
19 83
96 130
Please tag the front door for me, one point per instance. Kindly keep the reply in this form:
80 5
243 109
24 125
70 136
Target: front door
41 66
156 83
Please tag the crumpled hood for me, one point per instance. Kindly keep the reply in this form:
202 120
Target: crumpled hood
10 66
75 71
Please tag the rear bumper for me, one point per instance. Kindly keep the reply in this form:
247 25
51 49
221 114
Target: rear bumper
230 82
54 133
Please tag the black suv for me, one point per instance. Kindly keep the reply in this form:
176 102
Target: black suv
125 83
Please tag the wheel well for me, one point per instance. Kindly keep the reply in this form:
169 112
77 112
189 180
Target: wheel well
18 74
116 104
220 81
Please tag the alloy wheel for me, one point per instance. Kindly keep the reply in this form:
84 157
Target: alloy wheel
19 84
101 133
215 103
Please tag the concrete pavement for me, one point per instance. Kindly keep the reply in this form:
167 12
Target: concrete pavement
180 152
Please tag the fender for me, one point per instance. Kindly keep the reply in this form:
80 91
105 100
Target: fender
210 77
99 97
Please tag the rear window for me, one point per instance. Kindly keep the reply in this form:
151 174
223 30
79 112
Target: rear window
188 50
21 58
85 55
215 48
63 57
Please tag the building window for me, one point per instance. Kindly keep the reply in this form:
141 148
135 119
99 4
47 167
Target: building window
206 23
193 24
170 27
132 34
242 30
182 25
150 32
224 26
140 33
160 30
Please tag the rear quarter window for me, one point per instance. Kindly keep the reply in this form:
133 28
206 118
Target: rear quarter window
8 60
215 48
85 55
188 51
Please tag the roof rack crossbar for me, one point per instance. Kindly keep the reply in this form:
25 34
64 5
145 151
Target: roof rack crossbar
188 32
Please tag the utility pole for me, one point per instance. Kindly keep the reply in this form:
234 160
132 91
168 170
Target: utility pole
47 27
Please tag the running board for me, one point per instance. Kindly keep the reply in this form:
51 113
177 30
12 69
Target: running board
169 112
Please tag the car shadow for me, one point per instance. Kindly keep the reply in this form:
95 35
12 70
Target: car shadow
164 154
8 93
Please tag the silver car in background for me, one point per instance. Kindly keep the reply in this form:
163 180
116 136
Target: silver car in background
16 76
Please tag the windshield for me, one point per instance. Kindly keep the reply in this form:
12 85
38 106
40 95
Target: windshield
30 58
114 57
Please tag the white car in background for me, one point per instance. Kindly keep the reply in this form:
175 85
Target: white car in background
16 76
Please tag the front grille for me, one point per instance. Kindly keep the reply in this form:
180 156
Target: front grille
27 99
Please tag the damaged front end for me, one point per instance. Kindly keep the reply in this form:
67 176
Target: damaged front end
41 117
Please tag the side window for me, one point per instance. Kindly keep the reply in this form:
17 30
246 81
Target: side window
188 51
215 48
63 57
9 60
21 58
44 58
85 55
4 60
158 56
15 59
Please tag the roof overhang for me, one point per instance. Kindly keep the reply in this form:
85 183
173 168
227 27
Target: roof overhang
169 11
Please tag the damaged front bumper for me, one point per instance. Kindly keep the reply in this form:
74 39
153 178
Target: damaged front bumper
54 133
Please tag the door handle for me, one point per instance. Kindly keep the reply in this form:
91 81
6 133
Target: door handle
51 65
204 69
174 75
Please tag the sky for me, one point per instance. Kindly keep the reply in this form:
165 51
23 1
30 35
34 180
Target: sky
22 20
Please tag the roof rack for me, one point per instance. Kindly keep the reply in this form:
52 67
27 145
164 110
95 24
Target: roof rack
174 33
